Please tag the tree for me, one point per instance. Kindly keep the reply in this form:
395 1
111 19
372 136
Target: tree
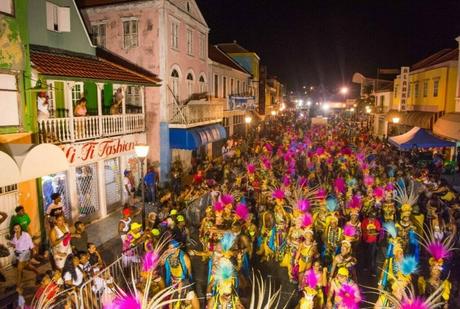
367 98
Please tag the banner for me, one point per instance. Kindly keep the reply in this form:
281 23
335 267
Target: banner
101 149
404 93
241 103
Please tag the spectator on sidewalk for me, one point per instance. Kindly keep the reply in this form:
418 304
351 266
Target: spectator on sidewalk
60 242
129 187
72 274
21 218
55 208
23 245
95 258
79 241
150 180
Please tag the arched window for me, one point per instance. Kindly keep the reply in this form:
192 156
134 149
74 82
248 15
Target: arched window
175 83
190 84
202 82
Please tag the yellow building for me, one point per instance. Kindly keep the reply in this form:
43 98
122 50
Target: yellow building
426 94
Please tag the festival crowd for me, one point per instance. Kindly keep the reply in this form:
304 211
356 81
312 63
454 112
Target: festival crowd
331 205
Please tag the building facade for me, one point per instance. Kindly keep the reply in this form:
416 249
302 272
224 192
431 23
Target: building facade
231 85
171 38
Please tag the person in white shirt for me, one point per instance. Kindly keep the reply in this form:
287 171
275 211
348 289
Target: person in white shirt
72 273
128 185
42 106
23 245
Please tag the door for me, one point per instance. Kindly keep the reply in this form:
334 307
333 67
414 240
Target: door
88 198
113 185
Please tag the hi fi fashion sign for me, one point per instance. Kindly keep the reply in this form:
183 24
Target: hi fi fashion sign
102 149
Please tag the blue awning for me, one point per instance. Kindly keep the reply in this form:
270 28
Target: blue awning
190 139
418 138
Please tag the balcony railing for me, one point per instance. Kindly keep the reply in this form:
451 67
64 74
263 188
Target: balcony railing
195 113
67 130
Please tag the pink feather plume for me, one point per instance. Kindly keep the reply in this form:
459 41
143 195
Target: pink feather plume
286 180
303 205
302 181
350 296
340 185
124 302
251 168
355 202
349 230
368 180
321 193
218 206
150 261
379 192
278 194
226 199
311 279
389 187
268 147
307 220
413 303
242 211
266 163
437 250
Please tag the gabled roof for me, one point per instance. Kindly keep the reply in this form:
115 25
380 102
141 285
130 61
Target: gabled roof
217 55
234 48
447 54
91 3
104 66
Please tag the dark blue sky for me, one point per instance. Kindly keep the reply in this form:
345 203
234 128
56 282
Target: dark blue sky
325 41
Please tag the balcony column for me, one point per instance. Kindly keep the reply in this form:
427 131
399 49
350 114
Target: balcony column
73 195
101 188
100 87
142 97
123 106
68 100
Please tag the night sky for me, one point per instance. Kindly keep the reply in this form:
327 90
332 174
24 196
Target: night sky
314 42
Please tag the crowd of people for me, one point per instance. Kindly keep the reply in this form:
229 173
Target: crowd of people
351 220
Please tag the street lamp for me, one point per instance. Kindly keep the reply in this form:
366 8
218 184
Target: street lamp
141 153
325 107
247 120
344 90
273 113
395 120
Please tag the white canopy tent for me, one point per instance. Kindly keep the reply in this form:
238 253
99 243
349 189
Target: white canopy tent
21 162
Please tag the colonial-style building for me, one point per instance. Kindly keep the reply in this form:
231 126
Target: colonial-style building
169 37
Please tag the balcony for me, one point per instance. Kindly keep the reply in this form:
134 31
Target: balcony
195 113
69 130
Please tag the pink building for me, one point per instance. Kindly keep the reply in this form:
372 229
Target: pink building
170 38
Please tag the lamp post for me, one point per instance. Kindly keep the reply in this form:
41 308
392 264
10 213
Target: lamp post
141 153
248 121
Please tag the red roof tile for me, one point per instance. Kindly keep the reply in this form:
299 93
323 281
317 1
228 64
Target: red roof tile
86 66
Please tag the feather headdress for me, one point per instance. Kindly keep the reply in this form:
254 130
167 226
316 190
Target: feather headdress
226 199
311 279
355 202
349 230
390 228
278 194
331 204
406 194
242 212
306 220
264 296
303 205
349 295
379 193
250 168
408 265
368 180
218 206
266 163
227 241
340 185
321 194
225 272
439 249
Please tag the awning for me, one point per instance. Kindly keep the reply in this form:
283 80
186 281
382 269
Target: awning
448 126
412 118
418 138
21 162
190 139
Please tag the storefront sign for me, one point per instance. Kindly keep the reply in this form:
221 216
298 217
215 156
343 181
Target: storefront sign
404 93
241 103
101 149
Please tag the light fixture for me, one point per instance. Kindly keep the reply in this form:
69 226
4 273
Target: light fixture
247 119
352 109
273 113
325 107
344 90
395 119
141 150
301 115
308 103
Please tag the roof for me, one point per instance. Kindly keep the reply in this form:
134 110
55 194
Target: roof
447 54
104 66
232 48
90 3
217 55
418 138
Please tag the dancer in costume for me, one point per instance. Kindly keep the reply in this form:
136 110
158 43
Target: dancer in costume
266 240
281 222
343 292
178 268
314 280
226 296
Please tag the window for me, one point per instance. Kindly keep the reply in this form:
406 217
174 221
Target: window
396 91
50 94
425 88
57 18
382 100
202 46
7 7
216 86
76 93
232 91
188 7
435 87
202 84
175 84
189 42
244 87
416 89
9 103
98 34
408 90
130 33
224 87
238 87
175 35
190 84
133 96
